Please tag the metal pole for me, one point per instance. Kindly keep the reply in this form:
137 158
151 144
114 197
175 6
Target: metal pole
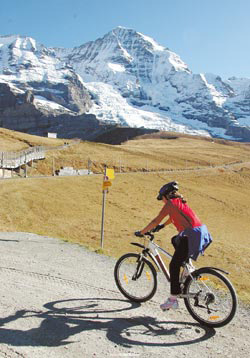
103 210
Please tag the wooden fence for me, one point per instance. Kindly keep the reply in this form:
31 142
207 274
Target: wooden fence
13 160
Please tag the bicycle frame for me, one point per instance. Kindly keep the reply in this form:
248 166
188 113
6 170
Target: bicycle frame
152 251
157 258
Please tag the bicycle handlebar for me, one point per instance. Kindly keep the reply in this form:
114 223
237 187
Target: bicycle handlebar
150 235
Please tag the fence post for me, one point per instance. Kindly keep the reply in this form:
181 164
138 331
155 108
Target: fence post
89 166
2 165
53 166
120 165
25 165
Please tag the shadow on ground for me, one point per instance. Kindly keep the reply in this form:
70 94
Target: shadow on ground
60 321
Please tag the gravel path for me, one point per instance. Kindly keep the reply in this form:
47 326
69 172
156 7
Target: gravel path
60 300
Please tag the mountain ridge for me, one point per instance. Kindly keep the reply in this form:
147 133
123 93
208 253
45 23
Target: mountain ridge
126 78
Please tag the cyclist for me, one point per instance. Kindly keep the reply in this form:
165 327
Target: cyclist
192 239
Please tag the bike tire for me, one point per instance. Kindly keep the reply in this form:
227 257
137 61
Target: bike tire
216 301
135 277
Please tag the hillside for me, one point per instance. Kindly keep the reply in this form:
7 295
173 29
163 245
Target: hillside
16 141
70 207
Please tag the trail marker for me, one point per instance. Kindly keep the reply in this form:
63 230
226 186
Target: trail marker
109 174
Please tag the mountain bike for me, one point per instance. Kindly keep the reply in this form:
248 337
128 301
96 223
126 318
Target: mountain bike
209 296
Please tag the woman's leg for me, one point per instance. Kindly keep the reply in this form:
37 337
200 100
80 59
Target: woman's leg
175 241
180 255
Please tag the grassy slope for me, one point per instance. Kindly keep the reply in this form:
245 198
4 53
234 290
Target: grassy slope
70 208
15 141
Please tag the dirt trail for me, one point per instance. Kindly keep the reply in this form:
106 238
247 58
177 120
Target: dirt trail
60 300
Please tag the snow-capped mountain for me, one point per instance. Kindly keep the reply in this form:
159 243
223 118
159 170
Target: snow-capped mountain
31 66
131 81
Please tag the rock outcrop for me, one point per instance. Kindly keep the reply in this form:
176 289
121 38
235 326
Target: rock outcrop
19 111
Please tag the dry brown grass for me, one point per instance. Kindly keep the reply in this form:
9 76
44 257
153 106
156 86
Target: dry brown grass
16 141
70 208
145 154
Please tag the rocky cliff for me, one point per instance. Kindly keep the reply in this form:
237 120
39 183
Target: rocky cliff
20 110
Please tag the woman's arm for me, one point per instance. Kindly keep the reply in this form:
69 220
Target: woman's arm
168 222
156 221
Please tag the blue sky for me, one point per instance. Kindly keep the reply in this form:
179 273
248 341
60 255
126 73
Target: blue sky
211 36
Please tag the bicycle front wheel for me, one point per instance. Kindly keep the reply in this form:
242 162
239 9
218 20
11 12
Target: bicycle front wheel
135 277
211 299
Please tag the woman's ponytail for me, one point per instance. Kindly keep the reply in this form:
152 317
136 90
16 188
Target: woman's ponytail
174 195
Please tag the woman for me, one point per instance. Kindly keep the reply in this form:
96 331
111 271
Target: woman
192 239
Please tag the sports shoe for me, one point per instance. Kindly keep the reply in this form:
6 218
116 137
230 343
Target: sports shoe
170 304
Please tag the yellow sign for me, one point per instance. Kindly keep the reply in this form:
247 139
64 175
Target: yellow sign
106 184
110 173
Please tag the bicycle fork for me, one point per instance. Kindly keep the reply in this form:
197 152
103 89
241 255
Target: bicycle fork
139 268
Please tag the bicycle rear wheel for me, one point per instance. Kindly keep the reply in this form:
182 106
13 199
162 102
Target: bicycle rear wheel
135 277
211 299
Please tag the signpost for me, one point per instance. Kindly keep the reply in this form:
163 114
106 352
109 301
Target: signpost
109 174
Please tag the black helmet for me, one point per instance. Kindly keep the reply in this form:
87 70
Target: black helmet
167 188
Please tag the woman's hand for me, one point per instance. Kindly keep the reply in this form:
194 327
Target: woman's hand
158 228
138 234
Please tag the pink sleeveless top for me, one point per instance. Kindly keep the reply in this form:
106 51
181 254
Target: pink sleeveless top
181 215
